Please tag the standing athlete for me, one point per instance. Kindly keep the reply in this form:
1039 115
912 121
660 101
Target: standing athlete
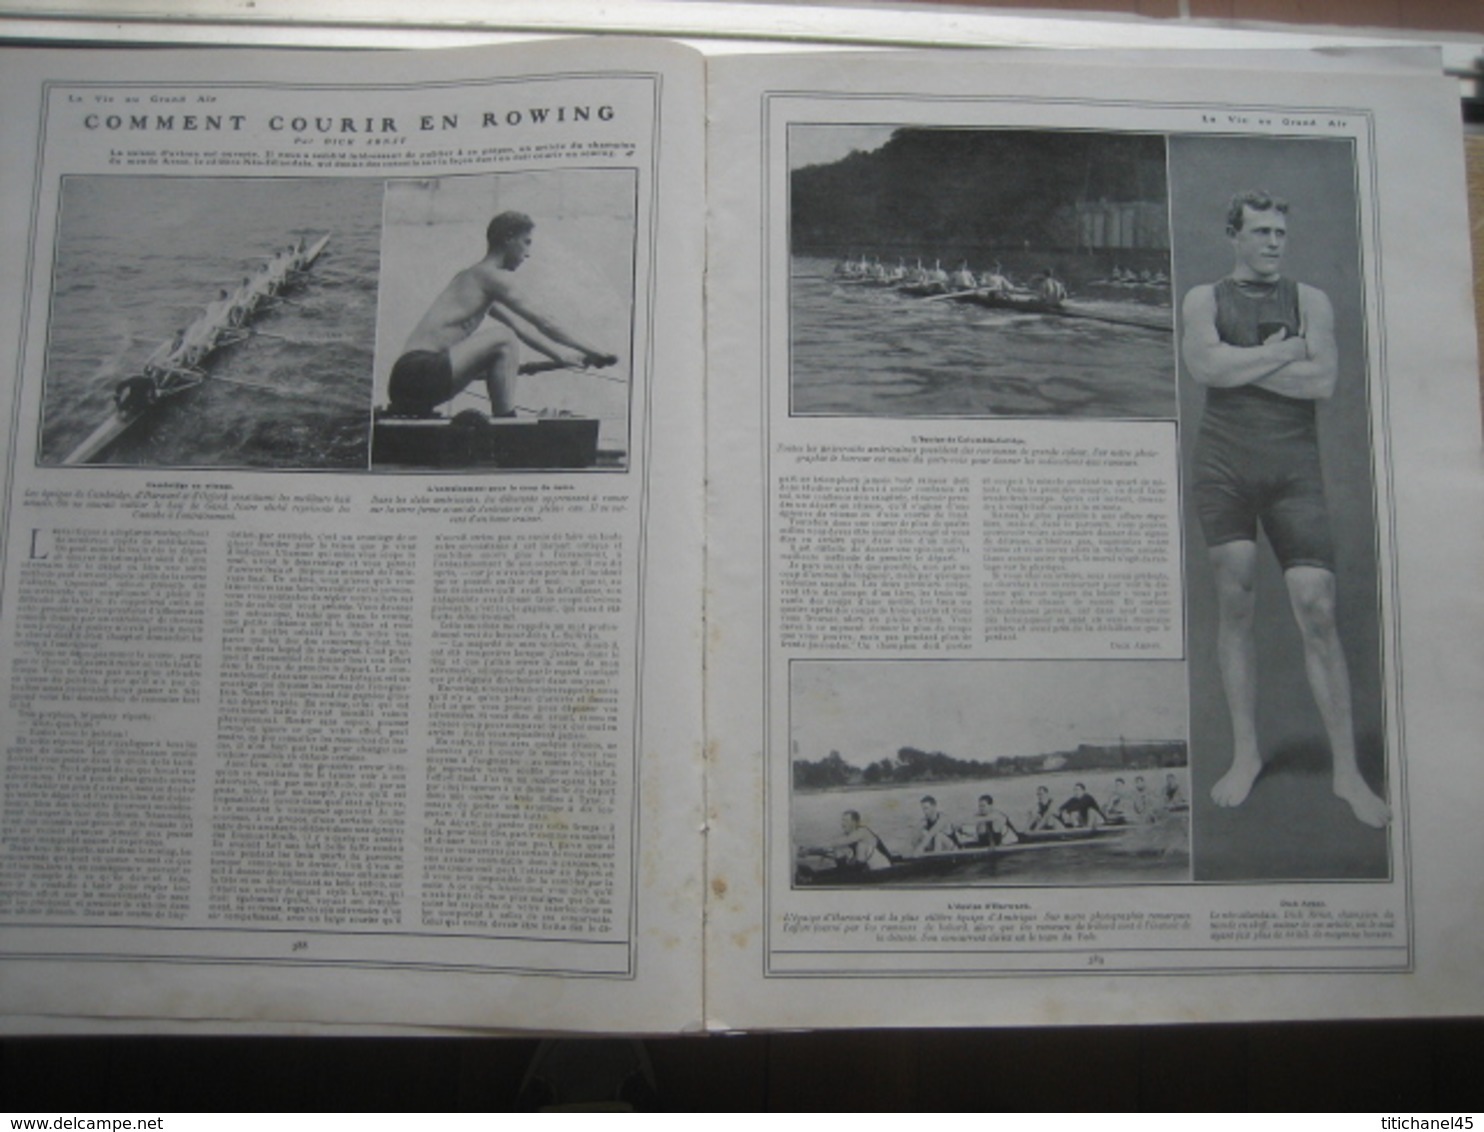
455 343
1264 347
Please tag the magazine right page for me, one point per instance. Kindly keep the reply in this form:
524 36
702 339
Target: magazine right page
1093 541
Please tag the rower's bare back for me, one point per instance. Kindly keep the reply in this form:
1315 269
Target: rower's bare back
458 311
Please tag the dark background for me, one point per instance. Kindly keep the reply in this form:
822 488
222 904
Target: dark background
1390 1067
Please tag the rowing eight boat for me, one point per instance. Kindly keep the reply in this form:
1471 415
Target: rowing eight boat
176 380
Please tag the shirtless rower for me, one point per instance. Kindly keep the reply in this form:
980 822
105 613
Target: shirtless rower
455 344
244 300
1052 289
167 357
201 336
995 281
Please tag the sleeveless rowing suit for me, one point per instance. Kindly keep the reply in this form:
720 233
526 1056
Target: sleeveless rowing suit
1257 453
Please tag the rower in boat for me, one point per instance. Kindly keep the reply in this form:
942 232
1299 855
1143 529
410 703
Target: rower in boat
963 279
990 828
1043 815
1119 803
1145 806
936 834
858 847
1174 797
261 288
202 336
1076 812
275 272
996 282
166 356
244 302
1051 289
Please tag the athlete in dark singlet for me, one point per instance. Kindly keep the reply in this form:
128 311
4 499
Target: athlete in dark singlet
936 834
1264 347
474 329
1078 809
1043 815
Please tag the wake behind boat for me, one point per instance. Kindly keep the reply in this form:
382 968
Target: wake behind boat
178 364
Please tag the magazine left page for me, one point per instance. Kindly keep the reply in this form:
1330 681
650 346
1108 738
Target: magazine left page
350 509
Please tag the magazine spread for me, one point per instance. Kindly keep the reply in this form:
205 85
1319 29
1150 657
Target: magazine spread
1061 471
1086 614
352 521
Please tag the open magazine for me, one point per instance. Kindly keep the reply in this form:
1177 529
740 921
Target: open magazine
583 537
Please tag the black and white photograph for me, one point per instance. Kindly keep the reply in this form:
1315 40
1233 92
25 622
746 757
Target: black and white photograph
964 273
1288 772
211 322
967 773
506 327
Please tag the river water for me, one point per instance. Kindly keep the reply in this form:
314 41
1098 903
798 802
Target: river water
138 257
858 349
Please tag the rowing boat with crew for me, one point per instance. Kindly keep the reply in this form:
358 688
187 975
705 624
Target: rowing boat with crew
179 363
823 870
1032 302
1044 294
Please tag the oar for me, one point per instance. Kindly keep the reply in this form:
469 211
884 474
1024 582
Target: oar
955 294
552 364
264 388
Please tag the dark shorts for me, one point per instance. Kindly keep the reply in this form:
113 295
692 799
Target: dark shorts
421 380
1257 463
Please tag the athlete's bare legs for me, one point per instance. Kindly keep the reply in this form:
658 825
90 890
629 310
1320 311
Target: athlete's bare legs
1311 591
1235 568
491 353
